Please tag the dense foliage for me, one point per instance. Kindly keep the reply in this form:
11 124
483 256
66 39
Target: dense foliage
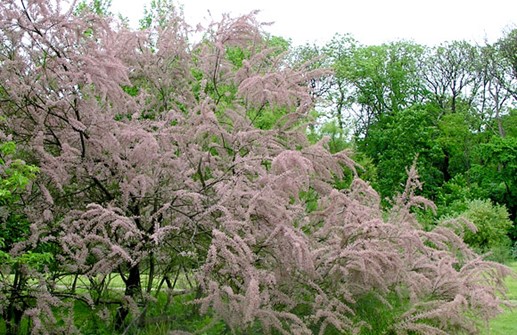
151 159
451 106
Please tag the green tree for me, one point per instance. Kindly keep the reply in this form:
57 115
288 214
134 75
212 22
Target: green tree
396 140
450 73
15 174
509 123
340 95
17 269
457 141
98 7
496 172
507 47
494 97
375 80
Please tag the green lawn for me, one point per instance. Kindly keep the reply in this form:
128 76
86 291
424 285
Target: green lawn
506 323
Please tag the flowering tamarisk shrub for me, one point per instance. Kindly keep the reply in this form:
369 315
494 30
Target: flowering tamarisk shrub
159 156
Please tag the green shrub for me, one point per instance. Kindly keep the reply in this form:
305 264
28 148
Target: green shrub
492 223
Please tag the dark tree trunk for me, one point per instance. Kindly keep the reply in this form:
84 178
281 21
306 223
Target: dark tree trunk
13 319
14 312
445 168
133 290
133 284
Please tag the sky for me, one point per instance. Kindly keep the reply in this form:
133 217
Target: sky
428 22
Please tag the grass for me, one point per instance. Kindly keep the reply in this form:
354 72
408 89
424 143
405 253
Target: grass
506 323
162 315
161 319
115 282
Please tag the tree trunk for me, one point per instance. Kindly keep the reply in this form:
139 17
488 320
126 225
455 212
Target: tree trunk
13 319
133 290
13 314
445 168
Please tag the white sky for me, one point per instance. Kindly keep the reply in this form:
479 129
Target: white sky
427 22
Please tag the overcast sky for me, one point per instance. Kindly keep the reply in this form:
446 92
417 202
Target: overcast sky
369 21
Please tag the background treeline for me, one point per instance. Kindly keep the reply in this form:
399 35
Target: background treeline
450 107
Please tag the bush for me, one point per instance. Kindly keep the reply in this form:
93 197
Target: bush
492 226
